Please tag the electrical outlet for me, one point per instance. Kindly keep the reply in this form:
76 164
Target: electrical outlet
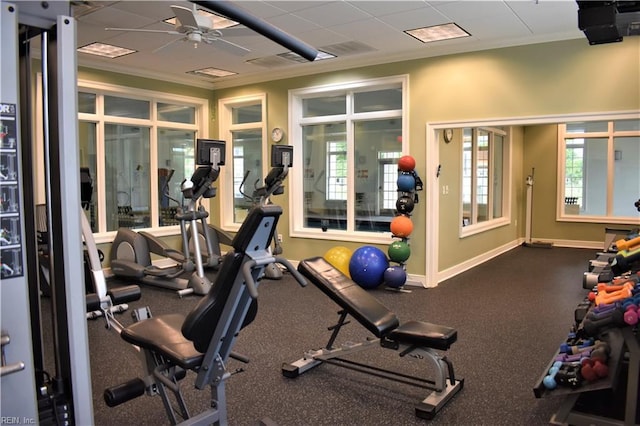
279 238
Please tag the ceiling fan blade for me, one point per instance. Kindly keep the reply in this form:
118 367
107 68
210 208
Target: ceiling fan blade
231 47
141 30
185 16
238 31
167 44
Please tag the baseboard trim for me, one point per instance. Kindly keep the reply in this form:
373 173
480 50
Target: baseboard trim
475 261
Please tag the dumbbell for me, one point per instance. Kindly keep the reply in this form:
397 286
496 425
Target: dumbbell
595 366
624 244
615 318
549 380
574 357
601 310
575 348
614 296
631 313
593 370
569 375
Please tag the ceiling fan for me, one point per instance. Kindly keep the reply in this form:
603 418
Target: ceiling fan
192 27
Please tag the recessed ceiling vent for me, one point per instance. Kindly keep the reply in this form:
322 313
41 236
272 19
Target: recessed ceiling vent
348 48
270 61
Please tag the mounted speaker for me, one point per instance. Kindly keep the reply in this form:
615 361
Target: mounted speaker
598 22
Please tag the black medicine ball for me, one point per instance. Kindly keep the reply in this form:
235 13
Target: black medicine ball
404 204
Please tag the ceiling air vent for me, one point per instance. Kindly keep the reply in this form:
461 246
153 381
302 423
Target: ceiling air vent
270 61
347 48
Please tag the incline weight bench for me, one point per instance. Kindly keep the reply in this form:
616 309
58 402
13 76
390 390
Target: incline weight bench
413 338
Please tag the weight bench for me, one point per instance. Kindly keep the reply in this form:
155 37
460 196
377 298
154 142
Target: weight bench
413 338
203 340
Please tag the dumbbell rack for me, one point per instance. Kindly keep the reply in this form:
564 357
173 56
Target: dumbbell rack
616 393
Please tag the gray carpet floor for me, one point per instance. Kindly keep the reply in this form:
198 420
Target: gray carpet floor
511 314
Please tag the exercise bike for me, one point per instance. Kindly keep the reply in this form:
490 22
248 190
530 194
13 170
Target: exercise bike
131 251
202 342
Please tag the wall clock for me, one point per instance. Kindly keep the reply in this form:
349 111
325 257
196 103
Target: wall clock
448 135
277 134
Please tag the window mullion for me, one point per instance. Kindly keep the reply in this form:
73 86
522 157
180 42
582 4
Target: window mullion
490 175
474 176
351 172
101 175
610 169
154 209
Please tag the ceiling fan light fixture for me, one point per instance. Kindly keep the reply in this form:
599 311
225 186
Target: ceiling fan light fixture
195 37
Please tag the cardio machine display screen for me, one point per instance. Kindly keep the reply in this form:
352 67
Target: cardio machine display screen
209 151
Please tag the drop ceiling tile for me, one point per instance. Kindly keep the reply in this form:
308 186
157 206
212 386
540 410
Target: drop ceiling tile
110 17
383 8
472 9
333 13
424 17
294 6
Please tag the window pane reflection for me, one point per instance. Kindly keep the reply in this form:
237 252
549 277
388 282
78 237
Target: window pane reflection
247 162
175 163
626 187
377 149
127 176
325 176
88 158
125 107
176 113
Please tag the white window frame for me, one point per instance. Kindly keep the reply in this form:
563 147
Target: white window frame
200 128
610 134
296 176
505 219
226 129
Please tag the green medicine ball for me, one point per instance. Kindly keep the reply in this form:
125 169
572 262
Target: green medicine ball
399 251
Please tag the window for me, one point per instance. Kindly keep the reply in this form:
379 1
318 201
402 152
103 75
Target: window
599 170
243 126
348 139
138 151
485 155
337 171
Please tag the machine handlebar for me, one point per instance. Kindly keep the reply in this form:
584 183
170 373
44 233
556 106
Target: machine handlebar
248 267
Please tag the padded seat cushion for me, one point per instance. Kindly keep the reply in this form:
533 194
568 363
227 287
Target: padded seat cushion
424 334
355 300
162 334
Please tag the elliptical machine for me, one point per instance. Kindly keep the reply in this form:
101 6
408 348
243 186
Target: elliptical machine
281 157
131 251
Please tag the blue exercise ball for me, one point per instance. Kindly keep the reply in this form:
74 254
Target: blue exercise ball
395 276
406 182
367 266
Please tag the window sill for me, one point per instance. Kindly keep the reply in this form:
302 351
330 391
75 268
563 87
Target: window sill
333 235
599 219
467 231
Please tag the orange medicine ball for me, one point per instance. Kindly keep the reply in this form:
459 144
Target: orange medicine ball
406 163
401 226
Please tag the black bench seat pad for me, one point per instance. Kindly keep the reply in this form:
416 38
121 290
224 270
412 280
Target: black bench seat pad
163 334
370 312
424 334
355 300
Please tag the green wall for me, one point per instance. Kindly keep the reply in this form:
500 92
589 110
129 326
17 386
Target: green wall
453 250
565 77
540 80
